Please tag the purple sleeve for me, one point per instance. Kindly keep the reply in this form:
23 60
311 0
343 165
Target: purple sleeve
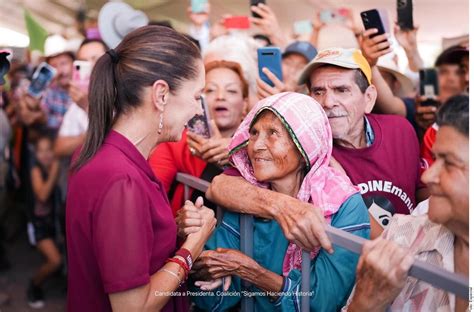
122 236
233 172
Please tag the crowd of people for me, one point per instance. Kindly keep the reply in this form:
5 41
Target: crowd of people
343 138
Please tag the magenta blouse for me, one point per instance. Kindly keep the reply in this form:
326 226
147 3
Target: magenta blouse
119 227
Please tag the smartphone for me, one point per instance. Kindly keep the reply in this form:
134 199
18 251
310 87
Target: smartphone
41 79
201 124
256 3
405 14
198 6
302 27
429 86
269 57
326 16
376 18
237 22
81 74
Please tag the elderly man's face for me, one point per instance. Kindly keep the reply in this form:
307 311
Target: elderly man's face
343 101
272 153
448 178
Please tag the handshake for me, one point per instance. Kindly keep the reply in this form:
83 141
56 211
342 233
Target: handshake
195 220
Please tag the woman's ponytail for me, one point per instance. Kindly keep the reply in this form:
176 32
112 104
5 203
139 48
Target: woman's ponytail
102 96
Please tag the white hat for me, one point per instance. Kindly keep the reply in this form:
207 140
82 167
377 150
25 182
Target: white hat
56 45
117 19
336 36
387 64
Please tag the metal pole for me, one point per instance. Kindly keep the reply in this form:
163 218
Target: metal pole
219 214
246 246
186 192
436 276
433 274
305 281
193 182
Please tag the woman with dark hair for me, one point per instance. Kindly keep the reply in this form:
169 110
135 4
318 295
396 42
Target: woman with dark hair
120 230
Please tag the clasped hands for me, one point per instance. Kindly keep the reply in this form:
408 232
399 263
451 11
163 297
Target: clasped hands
212 266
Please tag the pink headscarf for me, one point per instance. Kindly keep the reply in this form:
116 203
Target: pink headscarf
309 129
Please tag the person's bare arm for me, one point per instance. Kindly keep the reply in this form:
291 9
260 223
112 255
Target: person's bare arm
407 39
372 49
415 62
301 222
238 195
150 297
387 102
269 25
66 145
317 25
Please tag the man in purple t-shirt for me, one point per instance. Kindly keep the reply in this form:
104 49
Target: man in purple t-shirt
379 153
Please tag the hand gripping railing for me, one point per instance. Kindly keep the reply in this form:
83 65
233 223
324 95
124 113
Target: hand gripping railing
436 276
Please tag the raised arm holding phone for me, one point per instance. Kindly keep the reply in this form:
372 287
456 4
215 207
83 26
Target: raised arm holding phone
268 24
280 73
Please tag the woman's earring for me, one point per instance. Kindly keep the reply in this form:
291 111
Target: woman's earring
160 126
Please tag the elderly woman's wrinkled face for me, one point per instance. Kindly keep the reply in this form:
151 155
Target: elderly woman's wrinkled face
448 179
272 153
224 95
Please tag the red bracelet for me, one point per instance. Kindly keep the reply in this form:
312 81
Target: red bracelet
186 254
182 264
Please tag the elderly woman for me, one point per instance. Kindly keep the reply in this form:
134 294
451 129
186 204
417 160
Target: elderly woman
276 147
226 93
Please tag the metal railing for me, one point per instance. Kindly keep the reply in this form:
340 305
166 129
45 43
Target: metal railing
432 274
